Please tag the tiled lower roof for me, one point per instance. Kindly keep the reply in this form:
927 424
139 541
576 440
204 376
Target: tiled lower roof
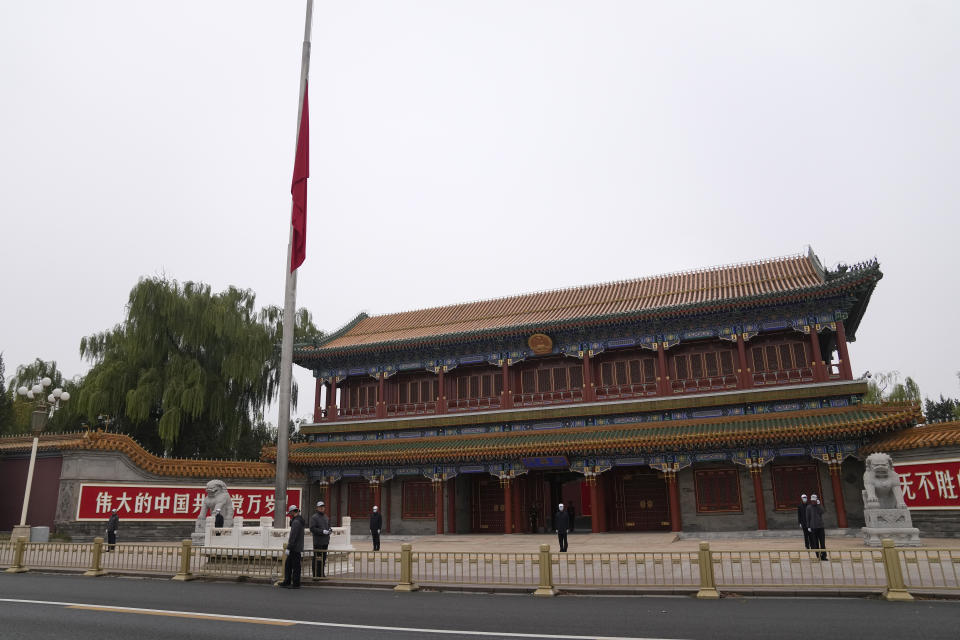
170 467
939 434
791 427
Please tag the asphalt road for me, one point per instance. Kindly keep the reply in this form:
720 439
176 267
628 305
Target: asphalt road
36 606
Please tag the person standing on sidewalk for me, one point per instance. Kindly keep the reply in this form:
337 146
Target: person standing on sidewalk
320 528
802 519
291 569
815 525
218 519
112 525
561 522
376 523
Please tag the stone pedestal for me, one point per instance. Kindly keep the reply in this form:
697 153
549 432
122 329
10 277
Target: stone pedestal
20 531
894 524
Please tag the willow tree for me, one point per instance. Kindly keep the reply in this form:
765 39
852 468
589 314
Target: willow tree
886 387
6 402
188 370
66 418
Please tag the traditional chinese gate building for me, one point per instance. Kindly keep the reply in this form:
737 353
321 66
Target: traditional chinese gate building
705 400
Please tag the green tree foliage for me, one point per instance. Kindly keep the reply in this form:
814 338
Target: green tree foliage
66 418
6 403
942 409
886 387
189 371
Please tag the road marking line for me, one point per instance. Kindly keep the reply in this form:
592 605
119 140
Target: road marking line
181 614
340 625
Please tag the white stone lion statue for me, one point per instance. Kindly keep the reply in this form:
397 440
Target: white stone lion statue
881 484
217 498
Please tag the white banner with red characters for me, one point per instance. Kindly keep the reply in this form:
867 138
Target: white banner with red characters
170 502
930 484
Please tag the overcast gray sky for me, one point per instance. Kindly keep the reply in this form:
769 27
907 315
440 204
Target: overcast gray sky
471 149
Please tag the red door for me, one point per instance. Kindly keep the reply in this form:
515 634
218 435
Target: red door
641 501
488 508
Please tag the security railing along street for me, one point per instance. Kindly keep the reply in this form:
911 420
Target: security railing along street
894 572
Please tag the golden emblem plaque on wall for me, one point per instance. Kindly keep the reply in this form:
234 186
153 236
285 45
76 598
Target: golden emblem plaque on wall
540 343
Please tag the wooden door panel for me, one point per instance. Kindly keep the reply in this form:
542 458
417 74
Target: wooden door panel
488 511
642 502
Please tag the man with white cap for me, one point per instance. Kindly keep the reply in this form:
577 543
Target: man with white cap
802 519
218 518
320 528
561 522
376 523
291 568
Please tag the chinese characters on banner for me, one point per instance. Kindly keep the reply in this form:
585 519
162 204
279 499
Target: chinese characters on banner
930 484
160 502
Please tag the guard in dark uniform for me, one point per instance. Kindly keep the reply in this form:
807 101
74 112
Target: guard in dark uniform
291 569
561 522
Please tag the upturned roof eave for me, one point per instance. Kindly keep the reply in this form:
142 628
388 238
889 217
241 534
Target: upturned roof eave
754 432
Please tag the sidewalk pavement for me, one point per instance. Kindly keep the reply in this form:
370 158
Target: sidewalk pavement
612 542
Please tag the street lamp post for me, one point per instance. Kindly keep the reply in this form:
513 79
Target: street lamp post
43 409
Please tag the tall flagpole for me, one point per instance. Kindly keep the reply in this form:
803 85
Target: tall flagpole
289 311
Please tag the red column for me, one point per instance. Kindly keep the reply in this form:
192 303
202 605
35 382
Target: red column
675 522
336 488
506 396
846 372
746 377
818 373
438 505
602 495
332 402
589 388
441 394
323 493
452 505
664 377
376 494
381 396
386 508
594 504
317 400
507 505
758 494
838 495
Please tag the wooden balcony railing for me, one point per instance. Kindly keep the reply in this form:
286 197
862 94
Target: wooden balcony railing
547 397
627 391
610 392
473 404
357 412
786 376
412 408
701 385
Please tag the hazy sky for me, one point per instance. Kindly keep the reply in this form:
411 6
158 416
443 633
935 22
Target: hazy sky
465 150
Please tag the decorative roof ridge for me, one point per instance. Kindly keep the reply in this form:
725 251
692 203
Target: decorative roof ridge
174 467
608 283
350 324
922 436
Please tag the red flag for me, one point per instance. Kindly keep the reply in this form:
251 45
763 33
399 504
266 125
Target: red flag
301 171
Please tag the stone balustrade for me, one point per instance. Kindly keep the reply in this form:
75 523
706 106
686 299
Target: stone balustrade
264 536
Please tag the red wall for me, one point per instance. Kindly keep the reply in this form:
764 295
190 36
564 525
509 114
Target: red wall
43 496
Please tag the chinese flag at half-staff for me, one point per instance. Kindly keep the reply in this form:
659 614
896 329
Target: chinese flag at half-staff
301 171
